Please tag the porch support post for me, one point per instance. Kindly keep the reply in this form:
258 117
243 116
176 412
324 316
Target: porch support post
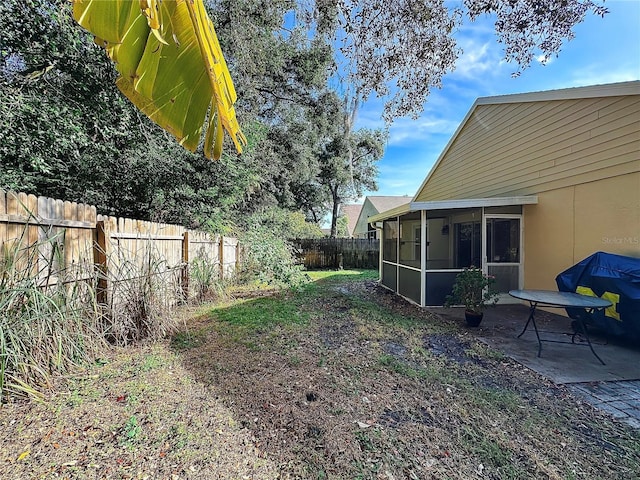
423 257
380 235
398 255
483 243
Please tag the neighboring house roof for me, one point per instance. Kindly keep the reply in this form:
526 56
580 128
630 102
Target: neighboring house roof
375 204
352 212
382 203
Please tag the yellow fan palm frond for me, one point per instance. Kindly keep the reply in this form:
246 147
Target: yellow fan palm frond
170 64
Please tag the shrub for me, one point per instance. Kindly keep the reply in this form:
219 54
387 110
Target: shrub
473 289
268 256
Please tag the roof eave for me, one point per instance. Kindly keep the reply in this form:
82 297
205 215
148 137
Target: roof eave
475 203
454 204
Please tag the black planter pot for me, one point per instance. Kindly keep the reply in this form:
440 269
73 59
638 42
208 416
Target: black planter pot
473 319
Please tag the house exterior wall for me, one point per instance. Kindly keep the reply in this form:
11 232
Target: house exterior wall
368 210
571 223
581 157
530 148
576 150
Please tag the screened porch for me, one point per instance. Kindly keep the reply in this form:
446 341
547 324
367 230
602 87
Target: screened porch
426 244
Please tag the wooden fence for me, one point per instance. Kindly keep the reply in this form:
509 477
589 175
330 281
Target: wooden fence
65 241
338 253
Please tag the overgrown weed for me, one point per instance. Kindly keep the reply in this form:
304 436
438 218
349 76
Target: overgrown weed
143 290
205 280
48 319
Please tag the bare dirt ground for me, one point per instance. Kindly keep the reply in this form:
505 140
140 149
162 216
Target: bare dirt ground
343 380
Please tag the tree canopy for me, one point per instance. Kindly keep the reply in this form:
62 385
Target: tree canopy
399 50
67 132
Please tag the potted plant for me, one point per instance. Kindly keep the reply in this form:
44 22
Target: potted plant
475 291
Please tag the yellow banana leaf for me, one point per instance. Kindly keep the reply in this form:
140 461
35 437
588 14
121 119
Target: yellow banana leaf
171 65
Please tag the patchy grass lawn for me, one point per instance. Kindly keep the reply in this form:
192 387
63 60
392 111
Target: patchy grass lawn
340 380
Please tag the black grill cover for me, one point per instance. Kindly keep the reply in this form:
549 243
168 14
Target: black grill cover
615 278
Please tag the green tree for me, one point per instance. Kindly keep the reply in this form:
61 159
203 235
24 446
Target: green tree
345 178
58 105
281 91
342 229
69 133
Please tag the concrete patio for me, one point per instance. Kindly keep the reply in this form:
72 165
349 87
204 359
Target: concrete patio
613 387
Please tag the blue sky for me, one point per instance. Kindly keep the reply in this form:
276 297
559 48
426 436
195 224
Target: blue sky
604 50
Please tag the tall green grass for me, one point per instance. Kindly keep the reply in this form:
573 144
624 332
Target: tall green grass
50 319
204 279
47 316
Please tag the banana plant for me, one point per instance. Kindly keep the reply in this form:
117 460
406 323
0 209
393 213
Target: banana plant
170 66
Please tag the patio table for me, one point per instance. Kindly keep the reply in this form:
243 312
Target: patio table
553 299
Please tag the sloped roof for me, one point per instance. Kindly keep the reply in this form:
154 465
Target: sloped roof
383 203
352 212
594 91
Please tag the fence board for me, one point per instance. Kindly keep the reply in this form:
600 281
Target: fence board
12 209
115 248
33 232
45 212
338 253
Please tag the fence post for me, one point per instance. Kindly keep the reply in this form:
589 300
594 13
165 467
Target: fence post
185 265
100 258
221 256
237 266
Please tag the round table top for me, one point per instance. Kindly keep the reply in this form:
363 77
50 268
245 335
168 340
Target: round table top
560 299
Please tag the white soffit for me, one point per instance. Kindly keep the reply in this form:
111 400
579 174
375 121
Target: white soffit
474 203
453 204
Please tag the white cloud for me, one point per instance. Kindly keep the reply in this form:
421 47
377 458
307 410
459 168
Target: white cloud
476 59
406 130
545 61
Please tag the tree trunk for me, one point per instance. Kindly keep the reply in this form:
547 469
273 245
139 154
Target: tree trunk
334 213
353 106
314 215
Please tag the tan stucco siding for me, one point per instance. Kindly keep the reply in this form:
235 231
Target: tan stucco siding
529 148
571 223
607 216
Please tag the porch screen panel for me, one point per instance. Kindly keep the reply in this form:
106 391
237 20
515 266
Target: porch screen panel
410 240
439 254
390 241
409 284
389 276
437 286
506 277
503 240
468 240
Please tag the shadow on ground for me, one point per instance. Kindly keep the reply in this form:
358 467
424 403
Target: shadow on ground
613 387
559 362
